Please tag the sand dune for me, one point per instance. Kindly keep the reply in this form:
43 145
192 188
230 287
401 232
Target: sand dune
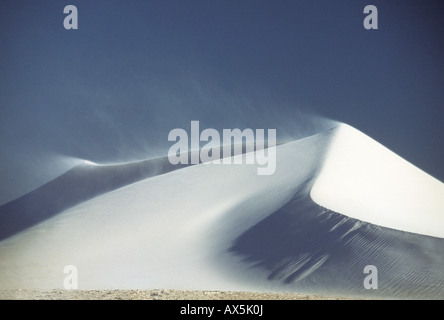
337 202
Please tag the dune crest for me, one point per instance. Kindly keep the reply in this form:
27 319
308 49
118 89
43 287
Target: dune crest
364 180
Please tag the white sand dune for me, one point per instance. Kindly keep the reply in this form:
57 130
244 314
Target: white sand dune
365 180
223 227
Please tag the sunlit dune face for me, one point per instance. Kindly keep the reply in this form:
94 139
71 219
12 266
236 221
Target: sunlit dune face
364 180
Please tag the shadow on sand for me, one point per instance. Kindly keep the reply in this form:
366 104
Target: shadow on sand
77 185
312 248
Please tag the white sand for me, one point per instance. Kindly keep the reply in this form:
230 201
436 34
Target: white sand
364 180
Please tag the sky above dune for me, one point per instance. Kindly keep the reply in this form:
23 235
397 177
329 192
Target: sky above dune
134 70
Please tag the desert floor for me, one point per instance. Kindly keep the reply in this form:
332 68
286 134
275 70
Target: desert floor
158 294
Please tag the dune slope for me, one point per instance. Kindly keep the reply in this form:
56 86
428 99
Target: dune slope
223 227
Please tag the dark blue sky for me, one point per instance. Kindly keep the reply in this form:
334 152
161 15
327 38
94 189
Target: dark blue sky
134 70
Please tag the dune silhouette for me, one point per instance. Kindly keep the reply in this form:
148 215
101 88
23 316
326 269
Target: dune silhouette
81 183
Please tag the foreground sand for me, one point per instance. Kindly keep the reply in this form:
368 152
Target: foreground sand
159 294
